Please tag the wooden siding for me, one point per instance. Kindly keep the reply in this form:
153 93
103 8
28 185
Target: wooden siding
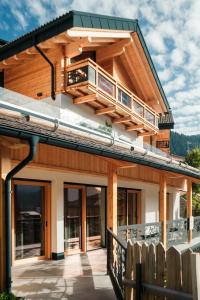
67 160
34 76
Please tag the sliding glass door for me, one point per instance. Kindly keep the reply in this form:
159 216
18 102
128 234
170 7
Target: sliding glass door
95 217
84 218
128 207
72 219
29 220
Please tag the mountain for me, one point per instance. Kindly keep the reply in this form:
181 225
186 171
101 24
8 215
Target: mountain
181 143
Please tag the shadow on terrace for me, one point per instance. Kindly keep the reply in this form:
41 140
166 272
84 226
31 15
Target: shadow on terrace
76 277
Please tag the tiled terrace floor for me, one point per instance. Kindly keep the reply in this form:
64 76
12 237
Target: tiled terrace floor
77 277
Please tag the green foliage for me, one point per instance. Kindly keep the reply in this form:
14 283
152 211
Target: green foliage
193 158
5 296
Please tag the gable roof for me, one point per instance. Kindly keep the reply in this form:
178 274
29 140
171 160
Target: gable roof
81 20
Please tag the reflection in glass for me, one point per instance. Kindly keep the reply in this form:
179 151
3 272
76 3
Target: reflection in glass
95 208
121 207
126 207
132 207
29 221
72 218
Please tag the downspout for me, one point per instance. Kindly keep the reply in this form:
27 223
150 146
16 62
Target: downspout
53 95
33 141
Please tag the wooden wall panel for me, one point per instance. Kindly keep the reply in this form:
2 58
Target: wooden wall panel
121 74
107 65
34 76
58 158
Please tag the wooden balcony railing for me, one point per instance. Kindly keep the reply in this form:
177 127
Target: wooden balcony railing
102 84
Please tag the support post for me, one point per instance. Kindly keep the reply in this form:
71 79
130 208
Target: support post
189 208
163 208
112 198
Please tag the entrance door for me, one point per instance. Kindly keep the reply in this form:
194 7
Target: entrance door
84 218
30 220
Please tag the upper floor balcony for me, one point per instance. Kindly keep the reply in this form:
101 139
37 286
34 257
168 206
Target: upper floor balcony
88 83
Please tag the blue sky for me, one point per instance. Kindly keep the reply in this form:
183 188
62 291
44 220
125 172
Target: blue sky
171 30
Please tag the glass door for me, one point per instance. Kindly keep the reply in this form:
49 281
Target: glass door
95 217
29 220
128 207
72 219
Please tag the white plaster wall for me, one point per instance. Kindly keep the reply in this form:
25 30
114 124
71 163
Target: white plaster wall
149 197
84 115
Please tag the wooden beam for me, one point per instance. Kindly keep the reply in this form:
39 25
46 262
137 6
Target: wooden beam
112 198
60 39
135 127
85 99
147 133
72 50
98 34
47 45
122 120
163 208
113 50
119 163
102 40
106 110
189 206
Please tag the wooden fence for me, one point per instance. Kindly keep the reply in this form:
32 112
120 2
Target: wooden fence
152 272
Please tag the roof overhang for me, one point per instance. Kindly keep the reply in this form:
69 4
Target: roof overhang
9 128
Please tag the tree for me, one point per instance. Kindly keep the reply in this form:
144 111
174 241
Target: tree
193 158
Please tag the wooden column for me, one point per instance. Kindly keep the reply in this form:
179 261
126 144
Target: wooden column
189 206
163 208
112 198
5 166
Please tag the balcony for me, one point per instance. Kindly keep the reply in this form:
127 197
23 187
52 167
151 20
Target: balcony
88 83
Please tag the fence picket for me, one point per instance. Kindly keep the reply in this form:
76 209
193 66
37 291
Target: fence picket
186 271
129 270
173 260
195 266
145 267
160 267
151 267
137 249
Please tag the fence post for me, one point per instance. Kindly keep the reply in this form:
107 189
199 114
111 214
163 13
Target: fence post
195 266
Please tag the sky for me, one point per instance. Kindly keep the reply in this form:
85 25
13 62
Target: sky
171 30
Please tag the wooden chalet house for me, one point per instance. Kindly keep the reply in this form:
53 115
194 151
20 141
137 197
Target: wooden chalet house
84 134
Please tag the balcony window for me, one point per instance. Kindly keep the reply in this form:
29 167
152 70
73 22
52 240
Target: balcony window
106 85
149 117
138 108
124 98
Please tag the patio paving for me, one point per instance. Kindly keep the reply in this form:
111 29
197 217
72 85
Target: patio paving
80 276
